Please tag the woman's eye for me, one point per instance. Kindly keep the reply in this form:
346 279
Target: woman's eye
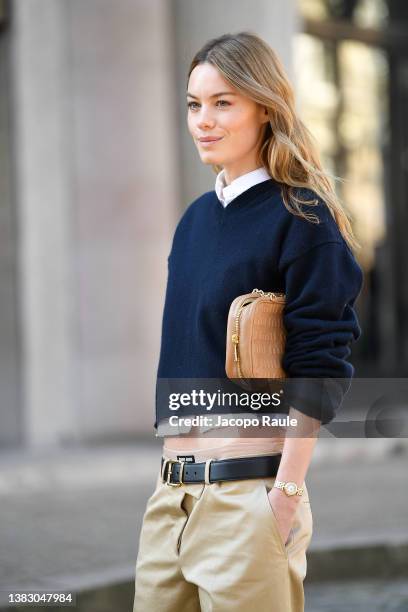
219 103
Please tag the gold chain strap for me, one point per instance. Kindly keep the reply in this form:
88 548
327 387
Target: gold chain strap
270 294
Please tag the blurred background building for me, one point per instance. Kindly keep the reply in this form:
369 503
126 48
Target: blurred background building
352 77
97 167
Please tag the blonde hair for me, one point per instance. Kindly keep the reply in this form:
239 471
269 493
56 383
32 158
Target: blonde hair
287 148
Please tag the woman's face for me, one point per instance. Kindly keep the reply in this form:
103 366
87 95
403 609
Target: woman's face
225 124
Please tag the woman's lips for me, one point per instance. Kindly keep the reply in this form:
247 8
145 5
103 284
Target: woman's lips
208 141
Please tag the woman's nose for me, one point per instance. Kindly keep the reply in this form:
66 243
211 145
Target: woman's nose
205 119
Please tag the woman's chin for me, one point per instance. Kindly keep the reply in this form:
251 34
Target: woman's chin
210 158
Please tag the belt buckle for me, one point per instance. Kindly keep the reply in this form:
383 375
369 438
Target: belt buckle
163 468
169 472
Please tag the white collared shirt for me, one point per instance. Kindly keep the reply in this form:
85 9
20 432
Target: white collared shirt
227 193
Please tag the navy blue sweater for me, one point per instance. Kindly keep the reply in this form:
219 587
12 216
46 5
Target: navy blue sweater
219 253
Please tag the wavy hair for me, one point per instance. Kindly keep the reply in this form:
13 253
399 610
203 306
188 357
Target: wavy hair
287 148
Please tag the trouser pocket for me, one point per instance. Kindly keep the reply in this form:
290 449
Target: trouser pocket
301 530
267 485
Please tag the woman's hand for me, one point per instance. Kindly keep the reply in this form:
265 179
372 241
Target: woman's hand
296 455
284 509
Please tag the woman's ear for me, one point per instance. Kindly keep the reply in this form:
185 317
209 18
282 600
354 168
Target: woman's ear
264 114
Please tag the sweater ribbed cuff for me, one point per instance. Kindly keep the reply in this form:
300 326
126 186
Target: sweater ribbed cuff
319 398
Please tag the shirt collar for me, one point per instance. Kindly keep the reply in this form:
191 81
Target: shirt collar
227 193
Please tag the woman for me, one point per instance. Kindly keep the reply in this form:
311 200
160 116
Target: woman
223 529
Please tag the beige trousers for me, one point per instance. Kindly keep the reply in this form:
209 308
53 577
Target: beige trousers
216 548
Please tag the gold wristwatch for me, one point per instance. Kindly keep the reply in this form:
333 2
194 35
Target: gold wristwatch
290 488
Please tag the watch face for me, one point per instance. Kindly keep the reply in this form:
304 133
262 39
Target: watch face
291 488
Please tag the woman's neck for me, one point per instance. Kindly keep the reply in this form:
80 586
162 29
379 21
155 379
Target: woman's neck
232 173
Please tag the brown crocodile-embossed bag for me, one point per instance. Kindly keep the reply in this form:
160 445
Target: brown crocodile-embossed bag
256 336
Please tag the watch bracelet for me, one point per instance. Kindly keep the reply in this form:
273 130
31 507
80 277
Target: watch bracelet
279 484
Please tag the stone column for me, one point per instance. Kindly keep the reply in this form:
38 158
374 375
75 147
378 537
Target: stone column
11 413
96 179
45 222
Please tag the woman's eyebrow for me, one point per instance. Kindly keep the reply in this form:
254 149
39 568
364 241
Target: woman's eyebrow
216 95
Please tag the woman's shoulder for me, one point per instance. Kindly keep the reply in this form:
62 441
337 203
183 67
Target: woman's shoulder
311 204
197 206
303 233
192 216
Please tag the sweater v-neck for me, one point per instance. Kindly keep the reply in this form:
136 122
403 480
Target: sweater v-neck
253 195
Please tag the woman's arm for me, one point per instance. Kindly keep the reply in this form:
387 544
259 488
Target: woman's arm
296 456
322 282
